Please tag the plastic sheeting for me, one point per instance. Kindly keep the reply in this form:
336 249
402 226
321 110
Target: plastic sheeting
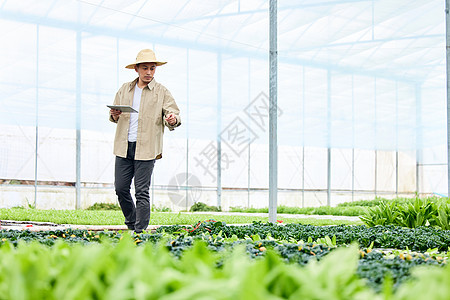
363 75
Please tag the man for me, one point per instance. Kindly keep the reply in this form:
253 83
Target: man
139 137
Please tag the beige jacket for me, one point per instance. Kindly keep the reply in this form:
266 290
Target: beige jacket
156 103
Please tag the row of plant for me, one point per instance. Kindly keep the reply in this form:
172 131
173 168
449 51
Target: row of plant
258 237
418 212
352 208
321 210
418 239
200 206
108 265
378 200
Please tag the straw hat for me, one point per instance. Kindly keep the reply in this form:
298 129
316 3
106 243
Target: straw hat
146 56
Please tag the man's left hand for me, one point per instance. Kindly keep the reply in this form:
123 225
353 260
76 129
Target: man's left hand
171 119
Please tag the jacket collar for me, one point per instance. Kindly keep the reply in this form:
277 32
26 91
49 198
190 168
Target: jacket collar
151 85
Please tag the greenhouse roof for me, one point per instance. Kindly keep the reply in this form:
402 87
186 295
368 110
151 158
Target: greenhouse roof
400 39
398 46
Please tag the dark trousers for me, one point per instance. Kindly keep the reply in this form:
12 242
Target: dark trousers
136 216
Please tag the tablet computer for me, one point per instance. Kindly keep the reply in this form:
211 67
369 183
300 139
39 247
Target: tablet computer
123 108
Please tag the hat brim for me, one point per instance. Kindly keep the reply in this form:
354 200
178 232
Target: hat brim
158 63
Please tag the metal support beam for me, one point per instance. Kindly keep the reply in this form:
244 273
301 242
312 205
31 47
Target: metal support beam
376 172
419 138
187 129
376 138
447 38
78 123
273 146
303 134
353 138
227 49
397 173
329 128
37 119
219 129
249 143
329 176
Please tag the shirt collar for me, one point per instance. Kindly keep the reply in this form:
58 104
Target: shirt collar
151 85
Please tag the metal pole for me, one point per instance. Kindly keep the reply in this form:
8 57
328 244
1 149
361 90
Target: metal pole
376 171
376 144
329 138
303 137
353 173
447 38
303 175
396 174
329 176
37 119
273 153
187 129
419 136
397 179
117 87
219 128
249 144
78 123
353 138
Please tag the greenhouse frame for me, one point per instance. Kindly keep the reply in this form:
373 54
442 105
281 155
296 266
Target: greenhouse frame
361 100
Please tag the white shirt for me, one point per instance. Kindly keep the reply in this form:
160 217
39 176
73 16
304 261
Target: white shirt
132 131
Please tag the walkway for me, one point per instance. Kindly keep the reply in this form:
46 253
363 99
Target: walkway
279 216
45 226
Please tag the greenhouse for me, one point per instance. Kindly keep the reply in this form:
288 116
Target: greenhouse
230 149
361 100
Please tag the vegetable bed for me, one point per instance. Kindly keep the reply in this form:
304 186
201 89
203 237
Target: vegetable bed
258 260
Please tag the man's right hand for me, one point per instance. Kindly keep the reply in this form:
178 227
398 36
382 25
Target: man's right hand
115 113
